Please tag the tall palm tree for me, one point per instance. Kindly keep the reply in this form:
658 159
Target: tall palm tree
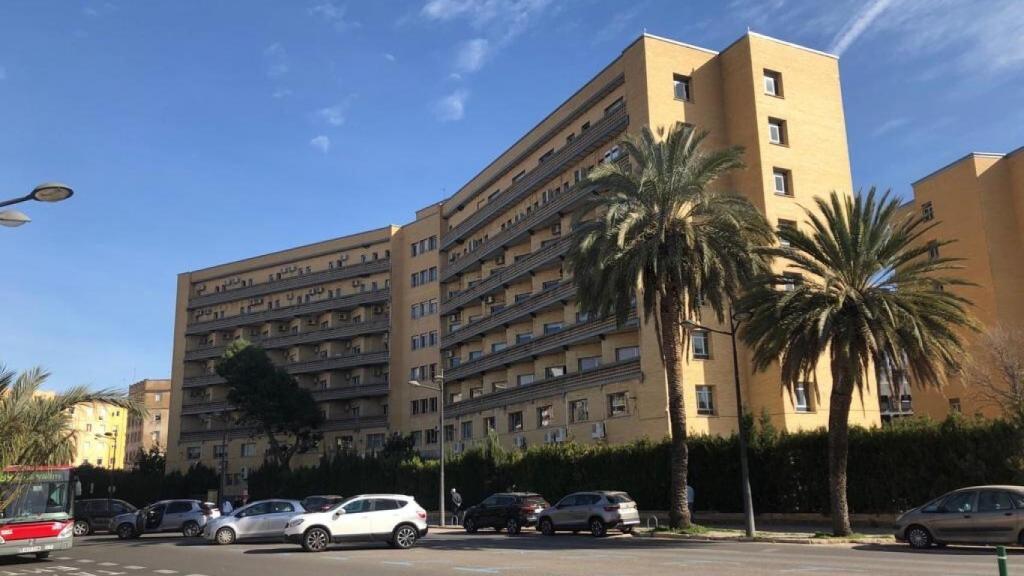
35 429
662 230
868 292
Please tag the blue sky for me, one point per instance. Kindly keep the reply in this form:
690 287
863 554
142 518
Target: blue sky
196 133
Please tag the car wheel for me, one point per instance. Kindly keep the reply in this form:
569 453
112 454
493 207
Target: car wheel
125 531
513 526
404 536
82 528
191 529
315 540
470 525
42 555
547 527
918 537
597 527
225 536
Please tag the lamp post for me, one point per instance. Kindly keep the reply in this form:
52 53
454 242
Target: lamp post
46 192
111 454
439 388
748 502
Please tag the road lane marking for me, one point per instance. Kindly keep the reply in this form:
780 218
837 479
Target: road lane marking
478 570
165 571
397 562
134 567
85 561
107 564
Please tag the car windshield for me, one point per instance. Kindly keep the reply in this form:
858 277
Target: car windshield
335 504
35 500
619 498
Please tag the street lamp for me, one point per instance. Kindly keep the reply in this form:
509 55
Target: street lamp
111 455
46 192
439 380
13 218
748 501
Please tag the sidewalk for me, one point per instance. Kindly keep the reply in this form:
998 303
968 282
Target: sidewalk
774 534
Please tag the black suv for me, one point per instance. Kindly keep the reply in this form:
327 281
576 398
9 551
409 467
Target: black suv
508 510
95 513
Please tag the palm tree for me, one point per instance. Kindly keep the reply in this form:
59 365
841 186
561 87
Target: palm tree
35 429
868 292
663 231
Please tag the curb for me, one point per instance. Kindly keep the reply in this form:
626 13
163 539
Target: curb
767 539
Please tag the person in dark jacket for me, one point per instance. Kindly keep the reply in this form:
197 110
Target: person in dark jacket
456 506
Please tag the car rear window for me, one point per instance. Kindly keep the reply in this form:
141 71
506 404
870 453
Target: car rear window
535 501
620 498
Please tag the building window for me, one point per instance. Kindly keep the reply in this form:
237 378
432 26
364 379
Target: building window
476 391
248 450
681 87
219 450
589 363
467 430
701 344
777 131
449 433
933 251
627 353
785 225
782 181
374 442
617 404
489 424
431 435
454 397
705 400
927 211
544 416
790 280
954 406
475 354
524 379
554 371
524 337
578 410
552 327
802 400
772 83
515 421
157 397
193 452
416 437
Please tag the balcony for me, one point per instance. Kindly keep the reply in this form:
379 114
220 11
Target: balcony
559 294
355 423
542 216
506 275
608 374
287 312
190 408
538 346
319 365
598 135
312 279
344 331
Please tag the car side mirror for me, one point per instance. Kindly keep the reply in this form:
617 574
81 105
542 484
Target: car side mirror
338 513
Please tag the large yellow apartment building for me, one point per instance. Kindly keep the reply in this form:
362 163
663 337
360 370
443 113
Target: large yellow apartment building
979 202
99 430
476 287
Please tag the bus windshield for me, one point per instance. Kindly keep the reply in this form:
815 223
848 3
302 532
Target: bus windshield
36 496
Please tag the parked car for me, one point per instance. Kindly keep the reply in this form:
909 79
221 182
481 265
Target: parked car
510 511
261 519
976 515
392 518
320 503
595 511
94 514
187 516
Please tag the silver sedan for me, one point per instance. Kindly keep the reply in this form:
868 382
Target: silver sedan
262 519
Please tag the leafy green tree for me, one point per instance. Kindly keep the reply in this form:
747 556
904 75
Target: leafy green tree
662 228
152 462
868 293
269 399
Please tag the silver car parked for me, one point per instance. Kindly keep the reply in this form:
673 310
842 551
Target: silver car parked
261 519
595 511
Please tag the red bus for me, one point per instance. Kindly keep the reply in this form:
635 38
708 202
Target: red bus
37 509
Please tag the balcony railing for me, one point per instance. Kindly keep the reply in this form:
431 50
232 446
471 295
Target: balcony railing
599 134
292 283
608 374
541 345
319 365
338 302
356 423
542 216
502 276
320 395
344 331
560 293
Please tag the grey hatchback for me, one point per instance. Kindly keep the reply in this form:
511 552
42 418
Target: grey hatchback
975 515
595 511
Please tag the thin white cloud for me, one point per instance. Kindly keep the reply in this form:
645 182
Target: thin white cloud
90 11
890 125
389 57
451 107
471 55
336 15
276 59
859 24
321 143
281 93
335 115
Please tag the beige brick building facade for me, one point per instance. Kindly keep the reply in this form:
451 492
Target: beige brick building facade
149 431
476 285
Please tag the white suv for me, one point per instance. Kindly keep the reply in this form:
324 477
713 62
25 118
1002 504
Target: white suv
392 518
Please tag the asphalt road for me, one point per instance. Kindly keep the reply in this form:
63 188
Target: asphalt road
488 553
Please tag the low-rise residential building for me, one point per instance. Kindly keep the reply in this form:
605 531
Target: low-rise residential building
149 431
100 432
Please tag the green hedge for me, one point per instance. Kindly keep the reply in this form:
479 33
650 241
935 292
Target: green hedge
890 469
143 488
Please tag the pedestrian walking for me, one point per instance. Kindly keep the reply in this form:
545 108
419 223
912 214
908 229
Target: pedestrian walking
456 506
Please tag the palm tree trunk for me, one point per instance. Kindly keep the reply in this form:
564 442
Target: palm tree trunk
838 450
671 351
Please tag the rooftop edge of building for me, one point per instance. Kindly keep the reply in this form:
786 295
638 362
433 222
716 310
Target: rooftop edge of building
963 158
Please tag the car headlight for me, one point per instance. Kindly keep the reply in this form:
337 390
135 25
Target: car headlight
295 522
